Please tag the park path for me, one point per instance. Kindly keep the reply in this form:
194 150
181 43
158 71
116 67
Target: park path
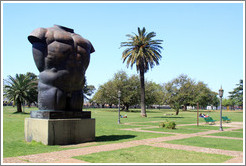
65 155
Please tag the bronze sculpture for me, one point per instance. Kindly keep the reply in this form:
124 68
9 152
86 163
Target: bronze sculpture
62 58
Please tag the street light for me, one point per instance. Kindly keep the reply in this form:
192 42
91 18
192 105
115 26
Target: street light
119 95
221 95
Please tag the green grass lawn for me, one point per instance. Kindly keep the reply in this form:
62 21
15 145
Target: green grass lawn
13 135
238 130
148 154
203 127
177 130
217 143
144 124
186 129
107 129
229 134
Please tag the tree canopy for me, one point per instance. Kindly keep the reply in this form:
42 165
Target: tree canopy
130 91
183 91
88 90
237 94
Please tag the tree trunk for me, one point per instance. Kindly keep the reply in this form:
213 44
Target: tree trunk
143 108
19 107
127 108
177 111
123 107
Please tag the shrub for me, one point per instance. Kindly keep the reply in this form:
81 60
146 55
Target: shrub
161 125
168 125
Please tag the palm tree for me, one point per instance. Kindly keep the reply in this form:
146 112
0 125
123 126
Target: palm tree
18 89
33 92
143 51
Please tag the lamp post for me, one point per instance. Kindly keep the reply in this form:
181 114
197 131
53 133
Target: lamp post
119 95
221 95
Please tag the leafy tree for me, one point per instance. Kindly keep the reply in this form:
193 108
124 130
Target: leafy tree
88 90
108 92
32 76
225 102
215 99
154 93
179 92
237 94
130 91
143 51
183 91
228 102
18 89
204 96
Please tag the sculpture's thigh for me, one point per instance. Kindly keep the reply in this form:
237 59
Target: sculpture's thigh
76 101
50 97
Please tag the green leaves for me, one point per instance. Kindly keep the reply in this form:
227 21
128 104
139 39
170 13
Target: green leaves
142 50
183 91
107 93
21 88
237 94
88 90
130 90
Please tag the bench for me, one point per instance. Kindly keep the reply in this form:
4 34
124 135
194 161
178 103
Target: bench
209 119
226 119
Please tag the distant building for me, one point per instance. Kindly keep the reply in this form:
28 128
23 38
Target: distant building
160 106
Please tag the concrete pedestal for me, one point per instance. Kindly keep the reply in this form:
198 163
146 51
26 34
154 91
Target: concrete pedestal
59 131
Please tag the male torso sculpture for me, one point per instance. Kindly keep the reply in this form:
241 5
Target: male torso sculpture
62 58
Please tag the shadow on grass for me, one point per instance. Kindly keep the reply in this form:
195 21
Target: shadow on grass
196 111
166 117
105 138
148 111
21 112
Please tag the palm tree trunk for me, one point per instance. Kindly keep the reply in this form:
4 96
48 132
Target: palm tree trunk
19 106
143 109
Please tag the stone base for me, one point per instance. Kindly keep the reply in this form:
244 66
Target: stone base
51 114
59 131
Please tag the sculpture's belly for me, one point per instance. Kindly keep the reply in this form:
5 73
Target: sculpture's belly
62 79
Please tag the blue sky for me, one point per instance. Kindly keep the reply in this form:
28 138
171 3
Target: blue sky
202 40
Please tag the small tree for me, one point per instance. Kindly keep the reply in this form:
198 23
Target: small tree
179 92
